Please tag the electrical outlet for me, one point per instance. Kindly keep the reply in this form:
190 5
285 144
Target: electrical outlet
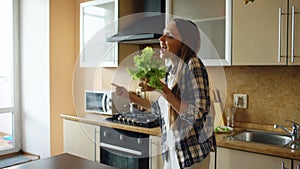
240 101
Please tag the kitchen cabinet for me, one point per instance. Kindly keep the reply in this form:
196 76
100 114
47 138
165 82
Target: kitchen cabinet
156 161
266 33
235 159
212 164
80 139
98 20
296 164
214 21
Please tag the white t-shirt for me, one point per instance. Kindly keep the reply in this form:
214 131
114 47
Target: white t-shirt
172 162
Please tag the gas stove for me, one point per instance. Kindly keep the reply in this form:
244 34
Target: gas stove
137 118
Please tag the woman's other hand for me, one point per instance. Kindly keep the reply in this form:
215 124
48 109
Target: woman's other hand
144 84
124 93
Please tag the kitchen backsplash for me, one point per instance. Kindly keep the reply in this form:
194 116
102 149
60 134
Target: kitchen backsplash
273 93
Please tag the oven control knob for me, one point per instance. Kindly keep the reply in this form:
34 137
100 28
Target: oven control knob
121 137
124 119
120 118
129 120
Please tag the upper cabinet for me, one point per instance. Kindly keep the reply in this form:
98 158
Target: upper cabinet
266 32
214 21
98 20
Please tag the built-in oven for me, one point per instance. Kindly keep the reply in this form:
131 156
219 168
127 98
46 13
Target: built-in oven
124 149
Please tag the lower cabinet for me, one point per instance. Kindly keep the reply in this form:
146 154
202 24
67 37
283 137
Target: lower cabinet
79 139
296 164
82 139
155 159
212 163
235 159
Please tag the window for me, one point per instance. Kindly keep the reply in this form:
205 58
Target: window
9 78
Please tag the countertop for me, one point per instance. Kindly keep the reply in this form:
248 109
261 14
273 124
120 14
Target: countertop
97 119
220 137
255 147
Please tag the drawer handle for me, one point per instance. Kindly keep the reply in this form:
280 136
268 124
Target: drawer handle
282 165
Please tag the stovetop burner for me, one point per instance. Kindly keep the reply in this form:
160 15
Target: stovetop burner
138 118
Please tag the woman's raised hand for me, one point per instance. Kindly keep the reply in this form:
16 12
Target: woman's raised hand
121 91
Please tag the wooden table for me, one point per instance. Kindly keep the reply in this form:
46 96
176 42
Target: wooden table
62 161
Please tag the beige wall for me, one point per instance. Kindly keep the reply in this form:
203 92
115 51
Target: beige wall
273 93
64 51
62 59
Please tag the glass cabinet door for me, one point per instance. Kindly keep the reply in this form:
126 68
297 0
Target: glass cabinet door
98 20
213 19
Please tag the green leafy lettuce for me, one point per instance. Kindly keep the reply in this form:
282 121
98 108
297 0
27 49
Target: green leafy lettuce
148 67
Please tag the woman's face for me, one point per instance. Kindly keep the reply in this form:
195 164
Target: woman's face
170 42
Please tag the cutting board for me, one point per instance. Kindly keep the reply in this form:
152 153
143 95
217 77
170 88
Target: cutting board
218 115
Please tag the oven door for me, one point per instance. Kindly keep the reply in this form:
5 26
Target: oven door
124 149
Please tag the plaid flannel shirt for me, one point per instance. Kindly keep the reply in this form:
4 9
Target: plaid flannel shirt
193 131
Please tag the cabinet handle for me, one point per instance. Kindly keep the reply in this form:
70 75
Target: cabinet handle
282 165
293 34
279 33
96 135
139 141
95 144
150 153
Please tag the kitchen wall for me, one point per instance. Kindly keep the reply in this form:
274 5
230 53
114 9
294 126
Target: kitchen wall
49 48
35 77
63 41
273 93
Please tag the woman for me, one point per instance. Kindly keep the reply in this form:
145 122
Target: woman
184 104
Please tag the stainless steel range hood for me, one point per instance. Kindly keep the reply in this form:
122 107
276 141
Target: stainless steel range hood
145 30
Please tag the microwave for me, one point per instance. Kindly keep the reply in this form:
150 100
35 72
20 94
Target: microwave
99 102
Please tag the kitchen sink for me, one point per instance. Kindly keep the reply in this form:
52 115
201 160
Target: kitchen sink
264 137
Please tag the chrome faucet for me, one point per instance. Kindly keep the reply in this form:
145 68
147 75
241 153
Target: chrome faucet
295 143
